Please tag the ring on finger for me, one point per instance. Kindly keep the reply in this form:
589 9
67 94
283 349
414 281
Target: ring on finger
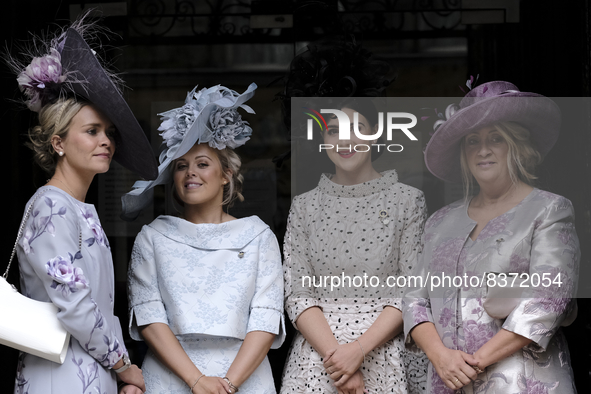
457 381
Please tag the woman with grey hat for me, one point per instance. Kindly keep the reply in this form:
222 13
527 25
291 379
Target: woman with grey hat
64 254
483 333
205 289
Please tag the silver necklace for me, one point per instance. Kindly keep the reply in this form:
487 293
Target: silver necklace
66 186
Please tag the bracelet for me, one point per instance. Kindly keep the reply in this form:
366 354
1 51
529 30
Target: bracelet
120 385
362 351
230 384
195 384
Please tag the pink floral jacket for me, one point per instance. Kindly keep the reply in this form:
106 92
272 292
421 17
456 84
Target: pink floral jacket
537 240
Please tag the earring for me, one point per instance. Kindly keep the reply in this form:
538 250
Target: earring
60 153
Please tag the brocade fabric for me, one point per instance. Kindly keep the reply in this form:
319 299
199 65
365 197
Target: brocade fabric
536 237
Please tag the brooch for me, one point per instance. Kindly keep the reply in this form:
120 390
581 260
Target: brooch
499 243
241 254
384 217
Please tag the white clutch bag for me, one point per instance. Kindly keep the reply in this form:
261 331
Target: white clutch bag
502 299
29 325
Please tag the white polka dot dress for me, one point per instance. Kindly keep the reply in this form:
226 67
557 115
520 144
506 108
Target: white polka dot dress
362 234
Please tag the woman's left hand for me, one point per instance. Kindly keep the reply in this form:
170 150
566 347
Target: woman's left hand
454 367
133 375
130 389
354 385
341 363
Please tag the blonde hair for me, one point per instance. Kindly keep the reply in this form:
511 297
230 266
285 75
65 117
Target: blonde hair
231 162
54 120
522 156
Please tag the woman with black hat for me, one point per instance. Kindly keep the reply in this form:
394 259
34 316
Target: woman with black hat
63 253
513 248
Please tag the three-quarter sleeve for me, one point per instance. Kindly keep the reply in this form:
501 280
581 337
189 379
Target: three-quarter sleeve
416 303
410 245
555 256
266 306
145 300
57 255
297 265
416 308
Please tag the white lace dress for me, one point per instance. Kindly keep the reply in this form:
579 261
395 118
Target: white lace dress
362 231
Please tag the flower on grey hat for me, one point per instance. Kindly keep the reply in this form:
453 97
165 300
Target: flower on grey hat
218 122
229 130
176 122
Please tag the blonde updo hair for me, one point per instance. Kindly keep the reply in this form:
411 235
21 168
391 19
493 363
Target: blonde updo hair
54 120
231 162
522 156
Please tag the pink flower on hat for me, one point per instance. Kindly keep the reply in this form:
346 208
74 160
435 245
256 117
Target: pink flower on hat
41 78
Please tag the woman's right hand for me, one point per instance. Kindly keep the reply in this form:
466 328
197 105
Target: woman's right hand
454 367
353 385
130 389
341 363
212 385
133 375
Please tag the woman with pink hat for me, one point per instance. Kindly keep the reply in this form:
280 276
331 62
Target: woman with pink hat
498 265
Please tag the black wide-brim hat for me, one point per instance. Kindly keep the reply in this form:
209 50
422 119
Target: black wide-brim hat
485 105
133 149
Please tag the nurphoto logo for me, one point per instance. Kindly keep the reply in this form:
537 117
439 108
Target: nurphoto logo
391 119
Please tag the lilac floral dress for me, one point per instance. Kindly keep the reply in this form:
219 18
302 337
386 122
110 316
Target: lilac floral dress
64 258
536 237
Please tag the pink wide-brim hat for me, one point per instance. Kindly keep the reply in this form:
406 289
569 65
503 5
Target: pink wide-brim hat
485 105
